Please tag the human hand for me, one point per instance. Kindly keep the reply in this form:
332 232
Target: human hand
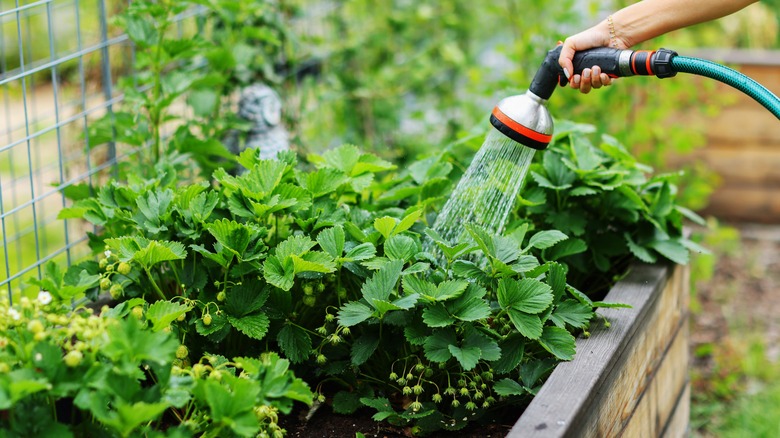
589 78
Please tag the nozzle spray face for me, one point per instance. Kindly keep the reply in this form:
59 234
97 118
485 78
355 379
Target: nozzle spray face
525 119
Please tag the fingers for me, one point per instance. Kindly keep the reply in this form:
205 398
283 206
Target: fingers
590 78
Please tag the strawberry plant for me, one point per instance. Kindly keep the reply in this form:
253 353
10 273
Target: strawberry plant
329 263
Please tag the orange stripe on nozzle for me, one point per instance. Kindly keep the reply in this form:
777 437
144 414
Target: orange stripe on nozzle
520 129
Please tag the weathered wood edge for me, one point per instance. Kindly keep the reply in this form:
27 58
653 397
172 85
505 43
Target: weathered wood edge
562 402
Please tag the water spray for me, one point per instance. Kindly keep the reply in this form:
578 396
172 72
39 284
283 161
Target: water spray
525 119
486 193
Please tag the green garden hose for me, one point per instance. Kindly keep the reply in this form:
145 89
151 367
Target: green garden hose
730 77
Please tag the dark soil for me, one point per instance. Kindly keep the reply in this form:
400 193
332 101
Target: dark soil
325 424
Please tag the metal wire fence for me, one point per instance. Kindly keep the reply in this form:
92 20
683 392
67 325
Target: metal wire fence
60 61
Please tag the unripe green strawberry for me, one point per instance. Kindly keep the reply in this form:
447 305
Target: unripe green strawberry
116 290
138 312
320 287
221 296
309 300
308 289
35 326
73 358
182 352
181 317
124 268
105 284
207 319
103 263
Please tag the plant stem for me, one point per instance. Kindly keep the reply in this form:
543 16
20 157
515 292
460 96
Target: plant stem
157 289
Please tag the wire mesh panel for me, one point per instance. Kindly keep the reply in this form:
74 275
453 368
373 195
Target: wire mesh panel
59 65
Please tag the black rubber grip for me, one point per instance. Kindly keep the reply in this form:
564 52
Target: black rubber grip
607 59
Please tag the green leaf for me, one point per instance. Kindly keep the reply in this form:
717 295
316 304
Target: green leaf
408 221
245 298
527 295
254 325
153 210
638 251
506 387
399 247
233 236
146 252
470 306
354 313
383 282
529 326
294 245
566 248
323 181
488 348
363 348
381 404
294 342
556 278
313 261
437 345
573 313
385 225
449 289
468 357
546 239
346 403
436 315
672 250
559 342
331 240
277 274
512 349
364 251
162 313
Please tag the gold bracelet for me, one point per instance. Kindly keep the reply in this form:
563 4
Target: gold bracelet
612 36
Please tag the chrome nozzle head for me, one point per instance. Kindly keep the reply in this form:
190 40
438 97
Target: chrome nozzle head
525 119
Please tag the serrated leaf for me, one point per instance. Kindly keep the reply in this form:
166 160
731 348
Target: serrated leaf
146 252
506 387
354 313
245 298
556 279
381 404
294 245
313 261
638 251
383 282
331 240
512 349
408 221
385 225
546 239
363 348
529 326
233 236
162 313
606 305
399 247
573 313
323 181
364 251
437 345
278 274
468 357
254 325
566 248
449 289
346 403
436 315
294 342
559 342
488 347
527 295
672 250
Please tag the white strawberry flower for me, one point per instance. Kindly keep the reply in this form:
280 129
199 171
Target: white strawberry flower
107 253
14 314
44 297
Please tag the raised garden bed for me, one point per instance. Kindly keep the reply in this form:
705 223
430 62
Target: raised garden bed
630 379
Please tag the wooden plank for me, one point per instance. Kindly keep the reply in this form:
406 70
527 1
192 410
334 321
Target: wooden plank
657 404
597 392
739 165
752 203
679 425
736 123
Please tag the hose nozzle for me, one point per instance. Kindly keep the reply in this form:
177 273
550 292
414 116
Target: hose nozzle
525 119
